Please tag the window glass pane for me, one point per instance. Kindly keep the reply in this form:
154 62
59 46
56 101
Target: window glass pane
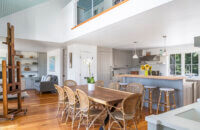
178 69
172 59
195 58
89 8
188 58
172 69
116 1
178 58
99 6
187 69
84 10
195 69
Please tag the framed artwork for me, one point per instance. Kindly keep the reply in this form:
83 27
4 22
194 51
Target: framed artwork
70 60
52 61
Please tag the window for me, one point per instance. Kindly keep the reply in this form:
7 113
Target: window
175 64
86 9
117 1
191 64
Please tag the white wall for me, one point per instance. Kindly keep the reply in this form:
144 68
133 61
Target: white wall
30 45
58 53
76 50
43 22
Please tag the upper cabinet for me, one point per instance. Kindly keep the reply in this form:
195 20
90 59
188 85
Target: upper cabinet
123 58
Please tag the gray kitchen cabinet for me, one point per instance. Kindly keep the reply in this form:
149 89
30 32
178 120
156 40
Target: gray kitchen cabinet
136 62
122 58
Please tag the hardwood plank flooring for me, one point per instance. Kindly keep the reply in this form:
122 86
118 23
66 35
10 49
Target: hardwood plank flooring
41 115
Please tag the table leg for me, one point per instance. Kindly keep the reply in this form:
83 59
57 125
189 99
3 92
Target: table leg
108 115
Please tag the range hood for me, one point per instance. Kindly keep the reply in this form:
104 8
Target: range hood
150 58
197 41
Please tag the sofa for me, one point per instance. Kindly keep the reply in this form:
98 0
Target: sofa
46 84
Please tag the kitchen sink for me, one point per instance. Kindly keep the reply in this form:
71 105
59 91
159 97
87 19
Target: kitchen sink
192 114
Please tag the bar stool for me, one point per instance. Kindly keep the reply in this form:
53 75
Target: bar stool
166 104
123 85
149 100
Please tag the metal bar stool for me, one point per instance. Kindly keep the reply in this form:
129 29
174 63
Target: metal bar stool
149 100
123 86
166 104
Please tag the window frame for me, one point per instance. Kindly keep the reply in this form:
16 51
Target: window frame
183 64
191 64
175 73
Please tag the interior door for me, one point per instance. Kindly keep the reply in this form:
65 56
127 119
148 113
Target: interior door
84 70
104 67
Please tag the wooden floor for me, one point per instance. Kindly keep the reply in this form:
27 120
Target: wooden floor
41 115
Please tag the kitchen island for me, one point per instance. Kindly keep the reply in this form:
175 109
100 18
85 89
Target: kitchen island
161 82
184 118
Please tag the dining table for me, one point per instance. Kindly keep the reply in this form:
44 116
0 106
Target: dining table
105 96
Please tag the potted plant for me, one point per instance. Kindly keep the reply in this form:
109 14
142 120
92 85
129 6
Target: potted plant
146 68
91 83
90 79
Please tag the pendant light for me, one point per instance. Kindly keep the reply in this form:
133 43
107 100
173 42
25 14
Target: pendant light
135 56
165 50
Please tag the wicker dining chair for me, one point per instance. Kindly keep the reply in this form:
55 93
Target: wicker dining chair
62 100
87 111
73 109
114 85
129 110
135 88
99 83
70 83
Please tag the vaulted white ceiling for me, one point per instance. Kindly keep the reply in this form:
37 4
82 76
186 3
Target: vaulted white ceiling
179 20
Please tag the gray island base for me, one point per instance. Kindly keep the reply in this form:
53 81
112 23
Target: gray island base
160 82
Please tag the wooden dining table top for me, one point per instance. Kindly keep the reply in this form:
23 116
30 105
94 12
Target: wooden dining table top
103 95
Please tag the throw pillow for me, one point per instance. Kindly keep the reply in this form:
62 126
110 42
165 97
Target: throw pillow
43 78
48 78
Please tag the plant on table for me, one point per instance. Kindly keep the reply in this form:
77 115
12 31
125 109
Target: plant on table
147 69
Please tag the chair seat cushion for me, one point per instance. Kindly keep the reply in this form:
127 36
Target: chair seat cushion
123 84
48 78
43 78
166 89
150 87
119 116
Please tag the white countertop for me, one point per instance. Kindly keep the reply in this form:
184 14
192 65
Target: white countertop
171 120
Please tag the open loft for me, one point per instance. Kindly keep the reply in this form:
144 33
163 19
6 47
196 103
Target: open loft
99 64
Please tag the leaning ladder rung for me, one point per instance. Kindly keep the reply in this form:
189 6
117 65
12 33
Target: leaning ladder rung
14 92
17 83
10 67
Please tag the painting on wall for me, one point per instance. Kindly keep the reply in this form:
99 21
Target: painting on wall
70 60
1 59
52 61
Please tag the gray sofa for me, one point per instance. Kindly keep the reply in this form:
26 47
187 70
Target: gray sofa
47 86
